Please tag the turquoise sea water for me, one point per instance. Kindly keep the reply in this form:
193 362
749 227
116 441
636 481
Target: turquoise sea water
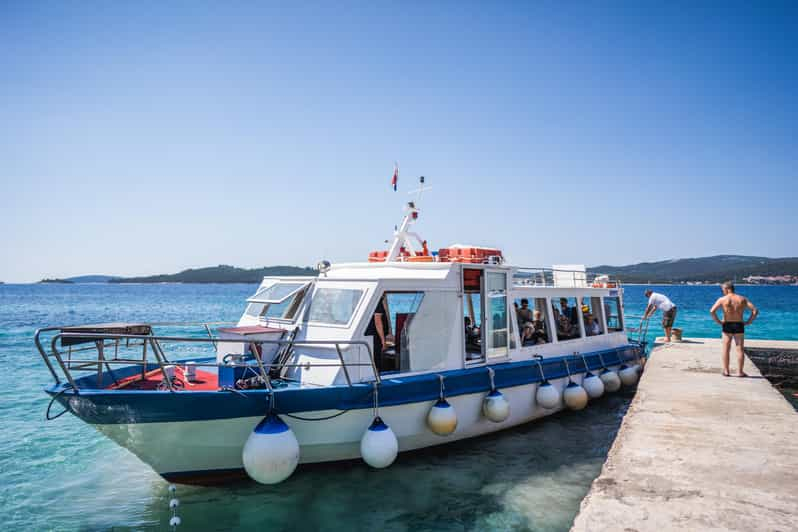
778 307
62 475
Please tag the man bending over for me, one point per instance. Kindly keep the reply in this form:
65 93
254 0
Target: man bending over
657 301
733 306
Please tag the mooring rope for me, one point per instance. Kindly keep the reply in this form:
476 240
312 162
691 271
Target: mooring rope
50 405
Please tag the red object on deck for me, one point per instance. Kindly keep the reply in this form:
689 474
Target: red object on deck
469 255
203 381
378 256
404 255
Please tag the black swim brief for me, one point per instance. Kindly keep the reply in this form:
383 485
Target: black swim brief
733 327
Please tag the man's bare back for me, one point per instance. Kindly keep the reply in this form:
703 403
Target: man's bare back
733 327
733 306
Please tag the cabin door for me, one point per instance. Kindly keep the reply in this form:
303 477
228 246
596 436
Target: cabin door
495 316
473 290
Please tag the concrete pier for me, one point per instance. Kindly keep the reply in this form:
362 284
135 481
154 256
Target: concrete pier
698 451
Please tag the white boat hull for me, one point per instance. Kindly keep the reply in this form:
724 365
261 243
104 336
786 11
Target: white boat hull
179 450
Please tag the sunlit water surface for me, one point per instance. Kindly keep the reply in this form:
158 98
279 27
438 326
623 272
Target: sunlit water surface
62 475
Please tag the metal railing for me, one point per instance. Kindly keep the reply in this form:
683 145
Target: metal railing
37 337
550 277
100 341
639 334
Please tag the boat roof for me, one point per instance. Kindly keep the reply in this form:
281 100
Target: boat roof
389 270
558 276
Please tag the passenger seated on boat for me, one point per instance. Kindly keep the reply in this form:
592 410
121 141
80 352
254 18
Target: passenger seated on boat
531 326
524 313
524 316
538 334
592 327
566 319
565 310
472 337
565 329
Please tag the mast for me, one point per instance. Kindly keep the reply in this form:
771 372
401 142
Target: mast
403 238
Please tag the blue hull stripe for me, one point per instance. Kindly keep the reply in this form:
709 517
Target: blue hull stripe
143 406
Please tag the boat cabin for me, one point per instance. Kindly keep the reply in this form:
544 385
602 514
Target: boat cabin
419 317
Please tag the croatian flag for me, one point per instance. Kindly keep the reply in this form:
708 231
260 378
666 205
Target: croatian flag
395 177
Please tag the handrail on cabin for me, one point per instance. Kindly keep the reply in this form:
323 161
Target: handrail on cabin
547 277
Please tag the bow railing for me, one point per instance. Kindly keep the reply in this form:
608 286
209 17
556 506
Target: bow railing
113 350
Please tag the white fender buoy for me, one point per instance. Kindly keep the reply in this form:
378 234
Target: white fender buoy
496 407
628 375
271 452
547 395
379 445
593 386
611 380
442 418
574 396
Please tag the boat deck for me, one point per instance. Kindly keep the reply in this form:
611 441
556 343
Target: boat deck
203 381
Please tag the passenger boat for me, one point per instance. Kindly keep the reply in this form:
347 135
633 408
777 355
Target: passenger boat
411 349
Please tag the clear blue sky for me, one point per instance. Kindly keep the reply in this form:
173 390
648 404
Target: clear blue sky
144 137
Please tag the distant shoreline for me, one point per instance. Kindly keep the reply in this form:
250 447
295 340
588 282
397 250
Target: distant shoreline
744 270
254 282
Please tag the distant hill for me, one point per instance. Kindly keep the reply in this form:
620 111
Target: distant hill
55 281
92 278
220 274
705 269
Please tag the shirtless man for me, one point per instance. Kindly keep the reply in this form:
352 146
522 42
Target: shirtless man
733 306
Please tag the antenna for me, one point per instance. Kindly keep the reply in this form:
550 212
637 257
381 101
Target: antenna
421 189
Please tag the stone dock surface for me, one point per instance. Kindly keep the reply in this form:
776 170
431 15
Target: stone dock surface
698 451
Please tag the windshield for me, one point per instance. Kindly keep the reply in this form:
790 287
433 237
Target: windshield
280 300
276 293
334 305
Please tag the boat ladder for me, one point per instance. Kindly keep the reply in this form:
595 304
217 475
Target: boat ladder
639 334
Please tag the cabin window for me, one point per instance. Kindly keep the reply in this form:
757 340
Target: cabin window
285 310
612 310
497 324
255 309
592 316
334 306
566 318
533 321
276 293
279 300
389 325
